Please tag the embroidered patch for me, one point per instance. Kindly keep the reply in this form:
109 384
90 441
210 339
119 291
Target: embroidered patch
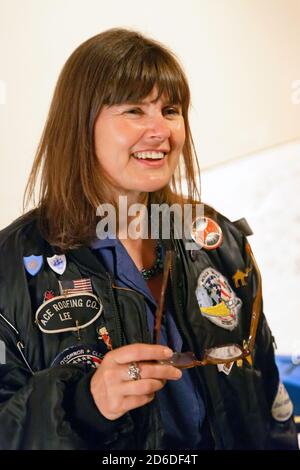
67 287
240 278
217 301
88 355
68 313
282 408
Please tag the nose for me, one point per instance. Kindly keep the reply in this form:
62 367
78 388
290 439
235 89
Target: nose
158 128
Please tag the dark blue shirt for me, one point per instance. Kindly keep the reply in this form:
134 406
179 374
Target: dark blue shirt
181 406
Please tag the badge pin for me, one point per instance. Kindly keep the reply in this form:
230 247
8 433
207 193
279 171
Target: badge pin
49 294
33 264
57 263
206 233
104 336
240 278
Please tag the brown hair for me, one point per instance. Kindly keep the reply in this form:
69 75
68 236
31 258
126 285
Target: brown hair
113 67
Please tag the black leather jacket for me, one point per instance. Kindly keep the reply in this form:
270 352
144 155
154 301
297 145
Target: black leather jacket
46 406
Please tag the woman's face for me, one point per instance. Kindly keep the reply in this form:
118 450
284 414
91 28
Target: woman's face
138 144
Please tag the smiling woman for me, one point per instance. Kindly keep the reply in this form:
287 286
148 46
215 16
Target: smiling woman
134 98
94 331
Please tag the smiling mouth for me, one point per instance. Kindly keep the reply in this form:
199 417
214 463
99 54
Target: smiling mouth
149 156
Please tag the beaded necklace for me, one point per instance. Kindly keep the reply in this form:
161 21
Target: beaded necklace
157 266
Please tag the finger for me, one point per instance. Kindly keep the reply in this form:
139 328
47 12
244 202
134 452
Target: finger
150 370
157 371
140 352
132 402
141 387
153 370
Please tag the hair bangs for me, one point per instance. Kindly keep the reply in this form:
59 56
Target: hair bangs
138 73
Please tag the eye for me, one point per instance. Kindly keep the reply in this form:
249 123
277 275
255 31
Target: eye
134 111
172 110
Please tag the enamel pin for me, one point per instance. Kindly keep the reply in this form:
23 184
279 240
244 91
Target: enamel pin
57 263
33 264
240 278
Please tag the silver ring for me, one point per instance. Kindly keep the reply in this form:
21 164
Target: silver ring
134 371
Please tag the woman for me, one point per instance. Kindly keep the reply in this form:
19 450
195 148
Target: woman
80 313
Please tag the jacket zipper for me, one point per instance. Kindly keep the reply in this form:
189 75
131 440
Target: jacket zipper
19 343
116 313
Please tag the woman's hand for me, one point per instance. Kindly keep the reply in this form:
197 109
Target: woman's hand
115 393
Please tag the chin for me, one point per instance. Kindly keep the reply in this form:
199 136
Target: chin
151 188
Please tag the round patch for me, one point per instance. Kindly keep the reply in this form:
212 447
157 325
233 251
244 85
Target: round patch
206 233
217 301
87 355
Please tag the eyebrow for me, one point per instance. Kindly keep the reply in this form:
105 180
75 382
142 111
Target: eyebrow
146 103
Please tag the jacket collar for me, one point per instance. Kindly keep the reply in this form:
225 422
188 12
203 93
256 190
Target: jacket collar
86 259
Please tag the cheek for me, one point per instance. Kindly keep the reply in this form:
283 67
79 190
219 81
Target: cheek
179 134
182 137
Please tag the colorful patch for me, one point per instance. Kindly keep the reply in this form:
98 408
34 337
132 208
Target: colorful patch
33 264
58 263
217 301
87 355
282 408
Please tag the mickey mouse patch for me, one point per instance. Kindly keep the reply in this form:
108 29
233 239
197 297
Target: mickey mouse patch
217 301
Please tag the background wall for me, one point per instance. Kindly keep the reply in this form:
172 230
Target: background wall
264 188
242 58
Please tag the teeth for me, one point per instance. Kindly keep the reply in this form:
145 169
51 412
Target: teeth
152 155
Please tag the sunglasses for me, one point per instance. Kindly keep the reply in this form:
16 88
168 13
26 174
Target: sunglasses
222 354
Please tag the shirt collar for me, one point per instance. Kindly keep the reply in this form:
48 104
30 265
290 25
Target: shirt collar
109 241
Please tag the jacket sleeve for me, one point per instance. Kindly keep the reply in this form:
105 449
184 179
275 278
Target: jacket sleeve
50 409
282 429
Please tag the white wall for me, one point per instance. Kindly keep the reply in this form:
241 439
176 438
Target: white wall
264 188
241 56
